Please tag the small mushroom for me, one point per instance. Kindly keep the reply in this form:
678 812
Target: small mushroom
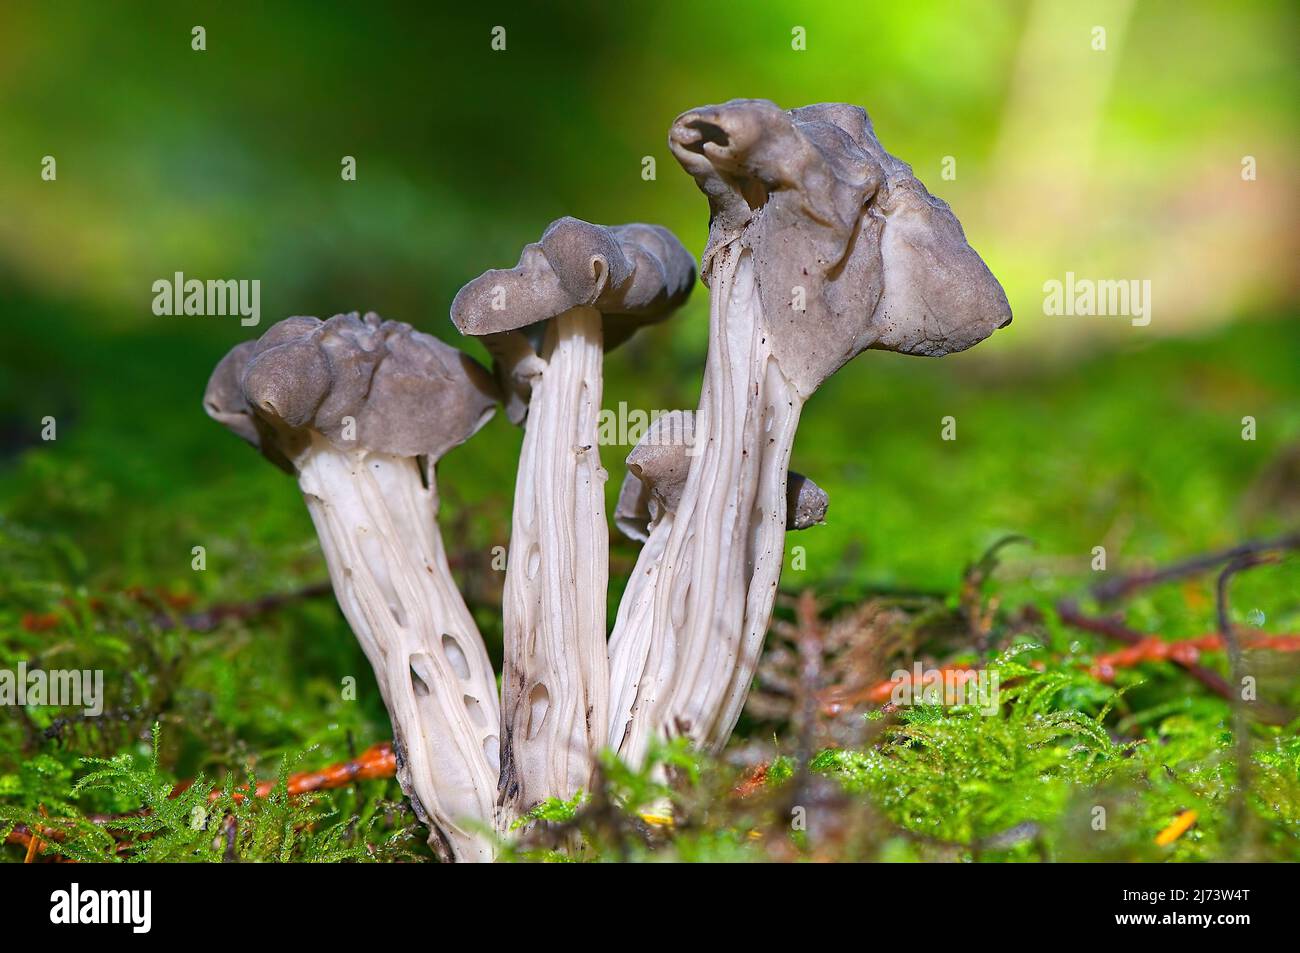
656 476
821 245
547 321
361 410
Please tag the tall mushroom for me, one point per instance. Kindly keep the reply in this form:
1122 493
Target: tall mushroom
361 410
547 321
652 488
821 245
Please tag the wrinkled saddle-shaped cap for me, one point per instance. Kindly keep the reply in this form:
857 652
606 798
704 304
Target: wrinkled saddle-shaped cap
820 205
360 382
656 476
632 274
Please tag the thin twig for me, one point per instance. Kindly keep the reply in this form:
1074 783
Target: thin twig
204 621
1123 586
1236 662
209 619
1114 627
809 639
1148 648
228 856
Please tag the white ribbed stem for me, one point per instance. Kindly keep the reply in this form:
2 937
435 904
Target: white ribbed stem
377 523
634 653
764 557
720 564
555 683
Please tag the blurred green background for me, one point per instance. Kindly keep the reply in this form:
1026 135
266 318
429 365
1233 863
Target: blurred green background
1118 163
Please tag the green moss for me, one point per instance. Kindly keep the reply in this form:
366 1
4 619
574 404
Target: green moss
205 822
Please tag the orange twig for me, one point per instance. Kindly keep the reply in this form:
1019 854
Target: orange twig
753 781
377 761
1104 667
1184 652
1177 829
945 678
33 845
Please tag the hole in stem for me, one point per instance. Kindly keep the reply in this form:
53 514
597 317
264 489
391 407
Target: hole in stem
455 656
419 665
539 705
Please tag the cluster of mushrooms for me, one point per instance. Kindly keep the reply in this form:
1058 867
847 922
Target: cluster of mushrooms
821 245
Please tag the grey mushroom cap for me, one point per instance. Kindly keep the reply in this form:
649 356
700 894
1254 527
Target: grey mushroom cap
805 502
656 476
360 382
636 273
223 399
632 274
814 197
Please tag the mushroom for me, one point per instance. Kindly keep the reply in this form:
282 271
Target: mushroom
652 488
656 473
821 245
361 410
547 321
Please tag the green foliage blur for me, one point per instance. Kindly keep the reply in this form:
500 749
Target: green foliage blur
1076 432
